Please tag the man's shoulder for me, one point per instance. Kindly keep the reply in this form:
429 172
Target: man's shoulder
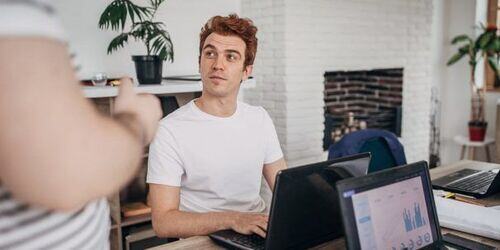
178 115
252 109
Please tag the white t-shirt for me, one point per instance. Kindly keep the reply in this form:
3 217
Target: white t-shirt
216 161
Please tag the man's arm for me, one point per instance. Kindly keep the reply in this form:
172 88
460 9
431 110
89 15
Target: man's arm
271 170
55 149
168 221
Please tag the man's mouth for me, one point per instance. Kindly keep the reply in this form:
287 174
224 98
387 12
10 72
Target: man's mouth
217 77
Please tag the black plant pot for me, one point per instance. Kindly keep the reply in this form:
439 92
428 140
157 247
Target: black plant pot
148 69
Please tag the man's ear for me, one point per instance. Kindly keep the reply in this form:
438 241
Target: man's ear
247 72
199 64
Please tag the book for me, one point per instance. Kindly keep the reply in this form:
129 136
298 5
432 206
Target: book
134 209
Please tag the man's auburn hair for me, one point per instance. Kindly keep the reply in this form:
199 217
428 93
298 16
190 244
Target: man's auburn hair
232 25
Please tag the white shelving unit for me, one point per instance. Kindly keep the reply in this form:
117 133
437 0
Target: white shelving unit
165 88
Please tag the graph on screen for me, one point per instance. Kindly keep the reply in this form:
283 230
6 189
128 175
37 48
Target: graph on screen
415 220
393 216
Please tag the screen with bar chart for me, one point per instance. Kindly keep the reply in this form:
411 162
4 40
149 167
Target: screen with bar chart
394 216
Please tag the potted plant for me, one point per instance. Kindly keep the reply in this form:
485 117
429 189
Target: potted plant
487 46
153 34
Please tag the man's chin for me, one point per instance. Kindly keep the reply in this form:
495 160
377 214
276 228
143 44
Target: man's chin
220 94
217 81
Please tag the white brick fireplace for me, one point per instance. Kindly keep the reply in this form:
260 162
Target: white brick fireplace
300 40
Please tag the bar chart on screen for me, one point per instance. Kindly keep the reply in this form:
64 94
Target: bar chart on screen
393 217
415 220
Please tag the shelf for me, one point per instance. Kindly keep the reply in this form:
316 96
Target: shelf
114 224
167 87
127 221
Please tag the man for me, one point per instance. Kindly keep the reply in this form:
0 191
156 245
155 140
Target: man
58 155
207 160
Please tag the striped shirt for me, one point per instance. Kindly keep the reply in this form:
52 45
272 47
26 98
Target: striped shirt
26 227
23 226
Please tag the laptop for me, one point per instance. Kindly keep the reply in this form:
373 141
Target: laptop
394 209
304 208
355 167
471 182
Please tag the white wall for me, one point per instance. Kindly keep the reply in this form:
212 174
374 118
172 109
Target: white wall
460 17
183 18
311 37
298 41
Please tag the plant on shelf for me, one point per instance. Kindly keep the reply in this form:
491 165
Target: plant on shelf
487 46
153 34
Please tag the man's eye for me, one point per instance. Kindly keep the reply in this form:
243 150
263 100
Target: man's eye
231 57
210 54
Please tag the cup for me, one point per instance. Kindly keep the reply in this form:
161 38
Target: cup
100 79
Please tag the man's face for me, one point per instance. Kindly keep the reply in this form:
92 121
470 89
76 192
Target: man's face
221 65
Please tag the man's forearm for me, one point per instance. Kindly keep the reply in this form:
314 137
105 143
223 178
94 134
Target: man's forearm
179 224
56 150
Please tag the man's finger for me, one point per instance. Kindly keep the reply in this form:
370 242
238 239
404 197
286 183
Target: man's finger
266 218
262 225
259 231
126 88
263 217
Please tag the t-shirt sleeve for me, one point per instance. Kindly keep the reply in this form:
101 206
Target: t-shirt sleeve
164 163
29 18
273 147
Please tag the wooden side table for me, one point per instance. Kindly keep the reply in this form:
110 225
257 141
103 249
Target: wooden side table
471 146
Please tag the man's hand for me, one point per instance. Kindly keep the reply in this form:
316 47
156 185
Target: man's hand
145 107
249 223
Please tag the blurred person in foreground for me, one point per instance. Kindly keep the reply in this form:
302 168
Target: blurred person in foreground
58 156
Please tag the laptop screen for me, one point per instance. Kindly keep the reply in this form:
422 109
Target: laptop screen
305 209
390 210
355 167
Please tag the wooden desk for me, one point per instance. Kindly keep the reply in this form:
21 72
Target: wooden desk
203 242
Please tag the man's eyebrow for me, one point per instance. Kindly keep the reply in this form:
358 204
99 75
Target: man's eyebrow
233 51
210 46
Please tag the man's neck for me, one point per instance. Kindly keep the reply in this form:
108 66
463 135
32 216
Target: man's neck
221 107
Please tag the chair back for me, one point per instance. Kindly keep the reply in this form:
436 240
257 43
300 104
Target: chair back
384 146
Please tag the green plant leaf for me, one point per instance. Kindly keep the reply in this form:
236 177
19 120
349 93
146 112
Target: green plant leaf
143 13
156 3
131 14
496 45
464 49
123 16
153 34
162 44
455 58
484 40
461 38
118 42
493 62
113 16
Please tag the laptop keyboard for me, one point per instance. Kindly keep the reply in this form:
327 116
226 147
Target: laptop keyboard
476 183
251 241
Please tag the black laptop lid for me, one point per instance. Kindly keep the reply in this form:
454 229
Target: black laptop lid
305 209
355 166
391 209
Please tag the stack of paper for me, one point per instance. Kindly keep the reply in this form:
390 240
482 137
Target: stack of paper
461 216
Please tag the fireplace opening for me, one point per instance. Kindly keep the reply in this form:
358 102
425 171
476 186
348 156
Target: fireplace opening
362 99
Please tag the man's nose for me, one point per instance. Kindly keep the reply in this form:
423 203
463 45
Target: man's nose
218 63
